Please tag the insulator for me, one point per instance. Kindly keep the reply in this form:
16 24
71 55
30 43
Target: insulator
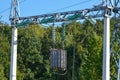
48 20
53 36
63 33
74 17
63 36
24 23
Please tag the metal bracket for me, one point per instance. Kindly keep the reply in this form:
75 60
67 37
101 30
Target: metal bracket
108 11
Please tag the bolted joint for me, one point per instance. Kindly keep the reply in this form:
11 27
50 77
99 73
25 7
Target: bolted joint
14 21
108 11
115 10
12 24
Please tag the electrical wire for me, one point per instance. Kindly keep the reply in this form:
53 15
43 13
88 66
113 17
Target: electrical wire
17 12
3 11
76 4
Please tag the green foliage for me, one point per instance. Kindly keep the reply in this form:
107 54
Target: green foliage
4 52
35 42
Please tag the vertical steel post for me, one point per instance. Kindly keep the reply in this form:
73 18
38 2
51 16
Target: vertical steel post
106 48
13 64
118 77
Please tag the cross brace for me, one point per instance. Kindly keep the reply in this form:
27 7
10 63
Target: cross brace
69 15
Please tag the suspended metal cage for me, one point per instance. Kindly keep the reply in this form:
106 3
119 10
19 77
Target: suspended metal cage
58 59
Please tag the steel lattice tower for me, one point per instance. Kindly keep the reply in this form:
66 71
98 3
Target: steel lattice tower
106 9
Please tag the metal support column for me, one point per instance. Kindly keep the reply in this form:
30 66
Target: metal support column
118 76
13 65
106 48
15 15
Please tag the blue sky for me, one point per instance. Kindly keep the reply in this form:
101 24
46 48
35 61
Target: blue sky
37 7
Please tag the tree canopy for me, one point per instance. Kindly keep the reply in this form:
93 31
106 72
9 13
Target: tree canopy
83 40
